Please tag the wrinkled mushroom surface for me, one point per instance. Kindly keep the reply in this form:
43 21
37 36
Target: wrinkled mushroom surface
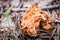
33 19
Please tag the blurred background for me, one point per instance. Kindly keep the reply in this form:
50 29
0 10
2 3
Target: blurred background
11 12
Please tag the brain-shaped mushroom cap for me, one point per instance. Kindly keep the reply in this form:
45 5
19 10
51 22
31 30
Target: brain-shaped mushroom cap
31 21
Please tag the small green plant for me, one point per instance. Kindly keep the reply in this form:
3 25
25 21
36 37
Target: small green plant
7 19
9 34
6 13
